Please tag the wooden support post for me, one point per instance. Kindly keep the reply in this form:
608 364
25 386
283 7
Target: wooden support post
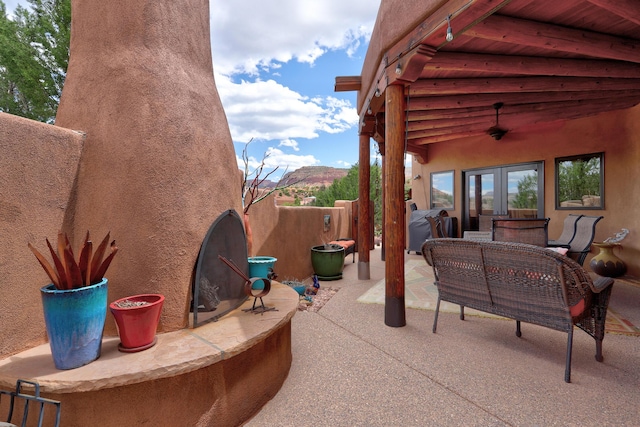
364 211
384 203
394 223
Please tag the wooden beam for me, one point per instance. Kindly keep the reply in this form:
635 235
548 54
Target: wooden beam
552 37
518 84
529 65
485 100
627 9
410 66
457 116
419 152
347 83
431 31
514 121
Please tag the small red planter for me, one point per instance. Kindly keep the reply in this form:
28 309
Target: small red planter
137 320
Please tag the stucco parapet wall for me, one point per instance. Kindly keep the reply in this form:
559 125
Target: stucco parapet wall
175 353
38 168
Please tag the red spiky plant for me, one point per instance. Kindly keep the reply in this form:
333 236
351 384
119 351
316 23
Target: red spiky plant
66 273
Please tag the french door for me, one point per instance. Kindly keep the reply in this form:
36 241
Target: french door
513 190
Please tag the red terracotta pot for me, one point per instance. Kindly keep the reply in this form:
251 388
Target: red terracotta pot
137 320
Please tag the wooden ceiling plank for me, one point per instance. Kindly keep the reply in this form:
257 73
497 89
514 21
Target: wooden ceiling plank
518 84
517 120
447 138
431 31
529 65
627 9
528 111
553 37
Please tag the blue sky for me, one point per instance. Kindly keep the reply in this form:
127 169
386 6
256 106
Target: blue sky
275 63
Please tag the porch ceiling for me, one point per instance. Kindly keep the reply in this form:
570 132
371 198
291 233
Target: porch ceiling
545 60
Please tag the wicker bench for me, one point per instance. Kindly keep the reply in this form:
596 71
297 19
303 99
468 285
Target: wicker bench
349 246
521 282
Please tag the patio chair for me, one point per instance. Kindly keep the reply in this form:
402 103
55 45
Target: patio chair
484 221
532 231
438 230
568 231
20 401
581 243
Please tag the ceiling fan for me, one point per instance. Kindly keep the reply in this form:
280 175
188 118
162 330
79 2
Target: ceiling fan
496 132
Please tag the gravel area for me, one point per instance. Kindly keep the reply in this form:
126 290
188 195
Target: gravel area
317 301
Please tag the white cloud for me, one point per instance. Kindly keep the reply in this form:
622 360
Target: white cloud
267 110
343 164
277 158
289 143
258 34
262 35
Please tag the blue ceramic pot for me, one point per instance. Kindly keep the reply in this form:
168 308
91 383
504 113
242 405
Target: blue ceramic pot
261 266
75 321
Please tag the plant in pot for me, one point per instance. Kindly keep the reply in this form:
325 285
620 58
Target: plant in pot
137 320
75 302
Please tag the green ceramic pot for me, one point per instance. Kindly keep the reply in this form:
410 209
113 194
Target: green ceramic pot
328 261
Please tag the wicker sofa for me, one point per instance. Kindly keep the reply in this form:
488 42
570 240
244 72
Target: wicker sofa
523 282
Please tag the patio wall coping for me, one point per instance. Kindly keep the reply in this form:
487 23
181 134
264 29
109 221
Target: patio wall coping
175 353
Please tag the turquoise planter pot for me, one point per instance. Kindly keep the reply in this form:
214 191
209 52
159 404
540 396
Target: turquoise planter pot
75 322
261 266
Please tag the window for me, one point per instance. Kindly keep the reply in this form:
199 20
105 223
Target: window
442 190
580 182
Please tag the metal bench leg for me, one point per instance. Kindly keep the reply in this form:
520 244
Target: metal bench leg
599 357
462 312
435 319
518 331
567 370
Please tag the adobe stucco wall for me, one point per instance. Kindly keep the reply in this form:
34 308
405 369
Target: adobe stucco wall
289 232
616 133
38 166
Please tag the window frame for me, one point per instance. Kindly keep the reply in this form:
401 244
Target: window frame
453 181
582 157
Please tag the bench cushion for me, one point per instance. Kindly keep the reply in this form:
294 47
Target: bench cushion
344 243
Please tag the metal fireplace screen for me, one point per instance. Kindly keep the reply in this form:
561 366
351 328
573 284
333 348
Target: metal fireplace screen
217 289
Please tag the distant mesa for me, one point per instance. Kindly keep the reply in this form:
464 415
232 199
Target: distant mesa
310 177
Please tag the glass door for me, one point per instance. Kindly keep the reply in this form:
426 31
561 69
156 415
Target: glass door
480 196
514 191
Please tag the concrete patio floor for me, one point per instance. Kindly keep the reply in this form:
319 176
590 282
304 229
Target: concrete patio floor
350 369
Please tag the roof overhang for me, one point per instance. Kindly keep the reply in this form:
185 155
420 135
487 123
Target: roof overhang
544 60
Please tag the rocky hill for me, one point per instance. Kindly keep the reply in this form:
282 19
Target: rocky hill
310 176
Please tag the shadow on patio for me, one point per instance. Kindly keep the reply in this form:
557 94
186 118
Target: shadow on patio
350 369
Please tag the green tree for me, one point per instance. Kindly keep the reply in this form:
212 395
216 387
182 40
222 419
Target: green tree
579 177
527 196
347 189
34 55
